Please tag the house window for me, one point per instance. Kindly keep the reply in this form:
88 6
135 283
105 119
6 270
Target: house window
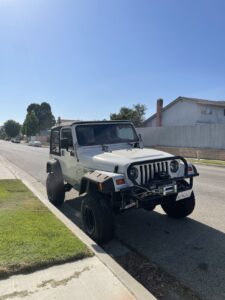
206 111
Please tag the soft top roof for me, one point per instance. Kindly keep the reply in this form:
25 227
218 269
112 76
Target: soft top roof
89 122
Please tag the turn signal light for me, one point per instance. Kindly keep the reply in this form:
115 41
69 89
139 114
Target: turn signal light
120 181
190 169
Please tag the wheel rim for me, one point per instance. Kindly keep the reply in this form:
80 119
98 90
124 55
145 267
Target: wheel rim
89 220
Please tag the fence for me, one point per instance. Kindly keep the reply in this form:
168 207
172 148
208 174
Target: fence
210 136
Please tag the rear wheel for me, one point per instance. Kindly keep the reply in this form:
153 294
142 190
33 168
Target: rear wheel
97 218
55 189
179 209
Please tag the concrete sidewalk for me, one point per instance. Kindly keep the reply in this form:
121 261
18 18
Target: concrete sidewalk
95 278
86 279
5 173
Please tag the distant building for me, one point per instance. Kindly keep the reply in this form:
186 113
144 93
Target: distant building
187 111
64 121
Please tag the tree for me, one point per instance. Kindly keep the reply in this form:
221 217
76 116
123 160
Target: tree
135 114
33 107
46 118
2 133
30 125
12 128
43 113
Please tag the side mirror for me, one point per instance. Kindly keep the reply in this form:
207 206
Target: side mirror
140 141
64 143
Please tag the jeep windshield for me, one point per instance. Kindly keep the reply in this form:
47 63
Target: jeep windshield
100 134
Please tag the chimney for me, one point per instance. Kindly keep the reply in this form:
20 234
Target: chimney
159 112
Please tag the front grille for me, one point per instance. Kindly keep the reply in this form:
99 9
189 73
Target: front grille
149 172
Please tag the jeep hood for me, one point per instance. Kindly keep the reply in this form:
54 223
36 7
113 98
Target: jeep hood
107 161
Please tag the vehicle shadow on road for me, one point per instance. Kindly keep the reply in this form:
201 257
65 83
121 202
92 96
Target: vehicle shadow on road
192 252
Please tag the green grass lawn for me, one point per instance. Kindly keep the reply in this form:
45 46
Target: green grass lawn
207 161
31 237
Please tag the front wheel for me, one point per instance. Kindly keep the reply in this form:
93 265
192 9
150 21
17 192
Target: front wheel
97 218
179 209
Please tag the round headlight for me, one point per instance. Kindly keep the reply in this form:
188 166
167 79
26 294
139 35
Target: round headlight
133 173
174 166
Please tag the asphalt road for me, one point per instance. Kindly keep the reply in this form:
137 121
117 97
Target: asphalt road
31 159
192 250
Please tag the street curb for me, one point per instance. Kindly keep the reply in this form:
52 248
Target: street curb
135 288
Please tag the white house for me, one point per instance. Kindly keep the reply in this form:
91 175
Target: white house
187 111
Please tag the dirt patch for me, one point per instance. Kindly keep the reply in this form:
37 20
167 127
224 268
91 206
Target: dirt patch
160 283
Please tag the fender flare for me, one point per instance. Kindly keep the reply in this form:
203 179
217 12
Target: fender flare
97 181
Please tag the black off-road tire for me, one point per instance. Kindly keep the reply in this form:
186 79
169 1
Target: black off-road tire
55 189
179 209
97 218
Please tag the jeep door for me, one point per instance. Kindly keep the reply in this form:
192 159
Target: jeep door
68 160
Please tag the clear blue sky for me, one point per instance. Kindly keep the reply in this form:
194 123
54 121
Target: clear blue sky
88 58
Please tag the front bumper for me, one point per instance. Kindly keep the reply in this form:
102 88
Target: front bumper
157 191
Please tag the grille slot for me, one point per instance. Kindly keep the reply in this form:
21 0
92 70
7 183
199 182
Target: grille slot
141 174
147 172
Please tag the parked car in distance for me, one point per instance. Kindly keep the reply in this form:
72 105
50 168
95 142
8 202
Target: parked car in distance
15 140
34 143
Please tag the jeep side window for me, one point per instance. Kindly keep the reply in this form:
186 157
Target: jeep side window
66 133
55 139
